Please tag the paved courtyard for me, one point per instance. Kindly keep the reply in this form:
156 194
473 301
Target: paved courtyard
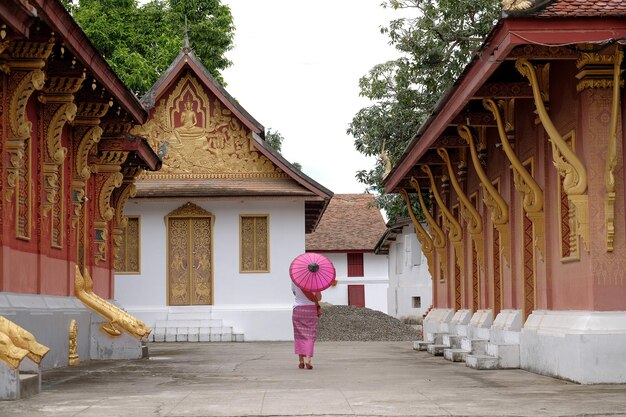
349 379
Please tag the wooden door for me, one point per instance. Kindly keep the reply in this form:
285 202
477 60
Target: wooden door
356 295
190 260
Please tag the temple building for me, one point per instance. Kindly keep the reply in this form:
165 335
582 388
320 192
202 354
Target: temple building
409 294
67 168
523 160
210 237
347 236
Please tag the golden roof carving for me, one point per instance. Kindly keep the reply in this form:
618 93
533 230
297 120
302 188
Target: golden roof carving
198 137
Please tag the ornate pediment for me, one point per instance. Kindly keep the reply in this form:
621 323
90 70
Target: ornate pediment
198 137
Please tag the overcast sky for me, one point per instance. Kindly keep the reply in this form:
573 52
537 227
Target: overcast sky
296 67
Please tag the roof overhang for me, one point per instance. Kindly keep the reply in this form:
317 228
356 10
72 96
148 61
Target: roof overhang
502 40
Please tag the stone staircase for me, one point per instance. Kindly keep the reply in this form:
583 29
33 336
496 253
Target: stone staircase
193 324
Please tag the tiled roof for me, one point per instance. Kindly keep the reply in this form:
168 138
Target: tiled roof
220 187
351 222
576 8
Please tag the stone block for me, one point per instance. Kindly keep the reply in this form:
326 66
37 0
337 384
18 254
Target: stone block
481 362
455 355
204 334
170 334
436 350
158 334
193 334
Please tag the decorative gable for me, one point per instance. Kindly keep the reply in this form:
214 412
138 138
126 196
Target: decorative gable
199 138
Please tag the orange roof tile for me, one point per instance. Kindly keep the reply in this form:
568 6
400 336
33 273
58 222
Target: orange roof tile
577 8
351 222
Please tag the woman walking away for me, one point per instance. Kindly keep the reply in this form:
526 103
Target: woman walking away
306 311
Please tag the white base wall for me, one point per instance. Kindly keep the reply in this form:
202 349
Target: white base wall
48 318
582 346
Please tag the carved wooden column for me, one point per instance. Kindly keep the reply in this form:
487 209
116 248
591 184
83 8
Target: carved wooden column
107 168
600 110
122 194
59 109
87 133
25 76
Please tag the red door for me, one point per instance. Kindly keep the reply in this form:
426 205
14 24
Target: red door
356 295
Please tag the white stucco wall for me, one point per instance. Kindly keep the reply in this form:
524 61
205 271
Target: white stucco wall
375 280
234 292
408 276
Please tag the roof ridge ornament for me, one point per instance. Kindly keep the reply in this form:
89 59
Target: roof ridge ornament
186 47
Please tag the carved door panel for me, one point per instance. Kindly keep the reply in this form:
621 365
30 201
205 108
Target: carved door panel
201 261
189 261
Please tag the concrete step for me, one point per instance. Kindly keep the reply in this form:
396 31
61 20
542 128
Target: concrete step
196 334
421 345
452 341
455 355
436 350
481 362
508 354
30 384
474 346
188 323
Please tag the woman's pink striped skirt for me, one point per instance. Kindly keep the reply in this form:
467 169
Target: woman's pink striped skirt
304 329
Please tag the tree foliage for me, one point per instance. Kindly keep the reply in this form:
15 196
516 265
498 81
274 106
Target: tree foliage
141 41
434 47
275 140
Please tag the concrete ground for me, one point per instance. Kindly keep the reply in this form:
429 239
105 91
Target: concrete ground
348 379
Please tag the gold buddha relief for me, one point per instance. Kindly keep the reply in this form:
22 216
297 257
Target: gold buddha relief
198 137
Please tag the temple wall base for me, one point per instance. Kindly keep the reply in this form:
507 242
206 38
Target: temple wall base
48 318
582 346
104 346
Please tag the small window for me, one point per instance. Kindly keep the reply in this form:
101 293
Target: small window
127 260
355 265
254 243
417 302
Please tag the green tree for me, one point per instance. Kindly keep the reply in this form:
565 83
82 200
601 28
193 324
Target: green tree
141 41
434 47
275 140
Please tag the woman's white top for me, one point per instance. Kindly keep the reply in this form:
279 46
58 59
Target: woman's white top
300 298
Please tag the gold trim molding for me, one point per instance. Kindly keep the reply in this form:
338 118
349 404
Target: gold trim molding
491 197
22 339
509 5
532 194
469 213
455 232
104 199
117 318
422 236
439 238
611 157
565 160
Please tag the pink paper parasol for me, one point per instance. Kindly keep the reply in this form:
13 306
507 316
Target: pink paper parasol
312 272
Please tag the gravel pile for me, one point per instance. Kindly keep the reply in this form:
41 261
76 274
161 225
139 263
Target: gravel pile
349 323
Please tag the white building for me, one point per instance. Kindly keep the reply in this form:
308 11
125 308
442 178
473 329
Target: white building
206 252
347 235
410 283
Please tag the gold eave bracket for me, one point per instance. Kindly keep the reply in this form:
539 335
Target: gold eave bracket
117 318
455 232
471 216
567 163
439 238
525 184
492 199
422 236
